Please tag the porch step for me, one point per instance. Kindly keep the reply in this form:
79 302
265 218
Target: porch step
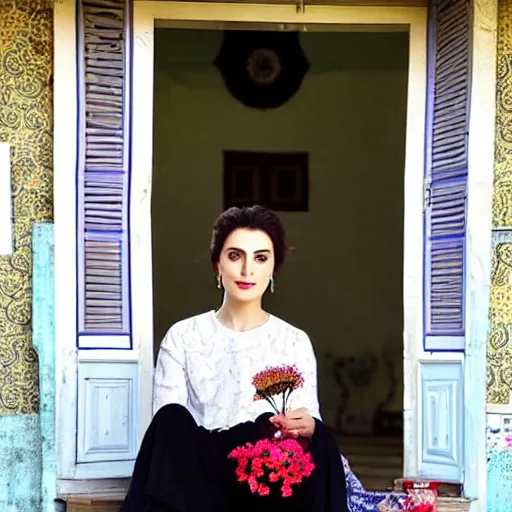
383 446
376 460
376 483
372 440
93 502
453 504
365 459
387 473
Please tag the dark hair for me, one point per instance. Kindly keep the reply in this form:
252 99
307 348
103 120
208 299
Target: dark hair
248 217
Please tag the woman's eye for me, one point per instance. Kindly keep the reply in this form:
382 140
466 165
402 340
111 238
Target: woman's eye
233 255
261 258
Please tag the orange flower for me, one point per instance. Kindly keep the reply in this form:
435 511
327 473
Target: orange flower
275 381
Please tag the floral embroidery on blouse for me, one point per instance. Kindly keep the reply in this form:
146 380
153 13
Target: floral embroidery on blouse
207 368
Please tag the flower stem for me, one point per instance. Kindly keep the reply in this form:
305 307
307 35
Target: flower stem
286 400
270 400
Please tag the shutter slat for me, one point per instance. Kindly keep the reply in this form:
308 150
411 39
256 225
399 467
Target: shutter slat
103 306
446 172
446 287
104 177
446 216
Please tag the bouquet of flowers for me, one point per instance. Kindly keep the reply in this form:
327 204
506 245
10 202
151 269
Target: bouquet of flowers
280 459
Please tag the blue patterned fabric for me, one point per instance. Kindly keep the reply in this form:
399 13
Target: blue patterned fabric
361 500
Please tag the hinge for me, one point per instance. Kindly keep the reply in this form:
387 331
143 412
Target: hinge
427 186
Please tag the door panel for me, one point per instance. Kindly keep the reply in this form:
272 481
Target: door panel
441 418
107 399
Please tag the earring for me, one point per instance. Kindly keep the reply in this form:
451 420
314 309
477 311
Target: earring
219 284
272 285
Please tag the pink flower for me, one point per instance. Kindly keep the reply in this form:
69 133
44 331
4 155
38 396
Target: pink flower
263 490
253 484
286 491
273 477
272 461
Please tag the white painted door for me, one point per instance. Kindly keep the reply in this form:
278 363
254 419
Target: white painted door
434 383
104 393
114 365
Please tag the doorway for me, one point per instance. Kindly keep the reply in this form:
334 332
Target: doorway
342 282
179 147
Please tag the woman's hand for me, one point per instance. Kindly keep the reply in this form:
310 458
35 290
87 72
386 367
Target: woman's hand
296 423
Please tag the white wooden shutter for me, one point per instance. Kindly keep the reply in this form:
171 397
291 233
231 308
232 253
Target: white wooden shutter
441 392
446 175
108 383
103 178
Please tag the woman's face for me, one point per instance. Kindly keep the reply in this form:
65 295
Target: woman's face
246 264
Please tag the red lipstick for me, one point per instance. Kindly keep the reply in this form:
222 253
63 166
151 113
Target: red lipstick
244 286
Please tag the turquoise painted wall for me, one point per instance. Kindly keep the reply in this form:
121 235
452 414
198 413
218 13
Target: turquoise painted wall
20 463
499 463
27 442
43 338
499 481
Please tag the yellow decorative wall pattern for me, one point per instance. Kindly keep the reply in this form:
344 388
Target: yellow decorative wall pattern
502 201
499 346
26 55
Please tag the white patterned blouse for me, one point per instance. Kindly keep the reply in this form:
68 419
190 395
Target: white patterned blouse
208 369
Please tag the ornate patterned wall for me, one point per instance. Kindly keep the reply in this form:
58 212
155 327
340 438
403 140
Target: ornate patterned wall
499 371
502 207
499 357
26 53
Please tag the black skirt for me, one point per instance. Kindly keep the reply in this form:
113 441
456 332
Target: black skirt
182 467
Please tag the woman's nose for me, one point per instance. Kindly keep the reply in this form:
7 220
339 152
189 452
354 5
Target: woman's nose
247 268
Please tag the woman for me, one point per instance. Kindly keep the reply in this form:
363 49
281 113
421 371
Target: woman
203 396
